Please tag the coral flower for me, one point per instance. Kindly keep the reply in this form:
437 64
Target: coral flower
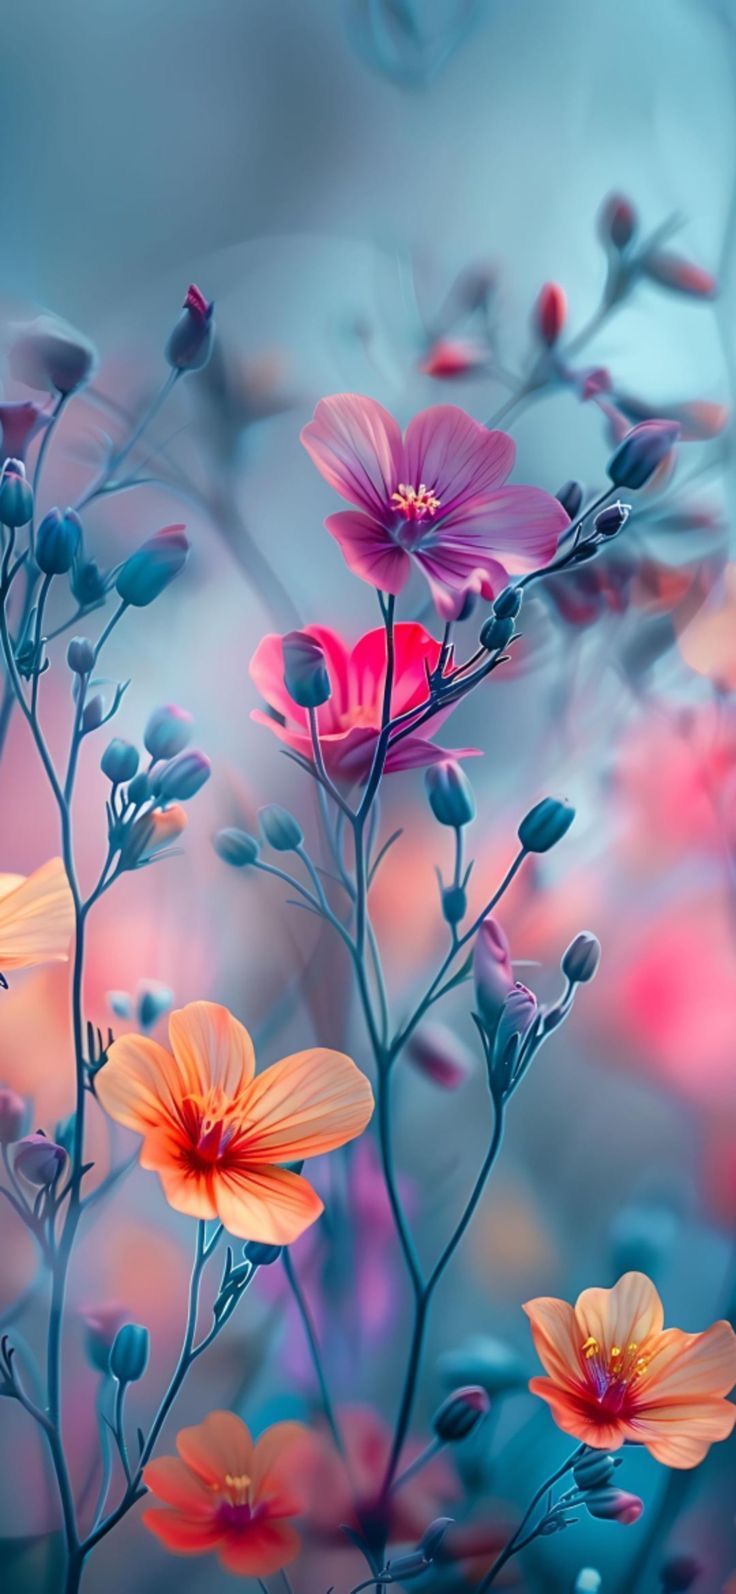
615 1374
350 721
36 917
226 1493
215 1133
437 497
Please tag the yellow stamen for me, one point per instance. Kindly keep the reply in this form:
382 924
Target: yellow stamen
591 1347
415 502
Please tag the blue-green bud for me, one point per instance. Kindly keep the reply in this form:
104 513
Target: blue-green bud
495 633
450 793
119 761
80 655
460 1413
167 731
594 1470
153 566
508 603
16 495
92 713
153 1001
280 828
262 1255
139 789
57 542
580 961
183 777
545 824
129 1354
236 847
571 498
305 672
190 344
454 904
641 451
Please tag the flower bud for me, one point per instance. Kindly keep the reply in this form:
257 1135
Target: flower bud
50 354
580 961
80 655
16 495
678 1573
594 1470
450 793
496 633
92 713
550 313
101 1325
614 1505
190 344
460 1413
168 731
129 1354
454 357
236 847
617 221
87 583
19 424
153 566
571 498
641 451
305 671
454 904
183 776
119 761
262 1255
679 276
39 1159
492 970
280 828
151 832
508 603
545 824
439 1055
612 520
433 1535
517 1013
57 542
139 789
153 1001
12 1115
588 1581
403 1567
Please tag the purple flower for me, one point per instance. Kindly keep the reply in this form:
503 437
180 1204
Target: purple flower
436 497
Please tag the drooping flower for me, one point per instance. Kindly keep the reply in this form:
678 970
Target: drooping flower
438 496
349 722
223 1492
36 917
615 1374
216 1134
19 423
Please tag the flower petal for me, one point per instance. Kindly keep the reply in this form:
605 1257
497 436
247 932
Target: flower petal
581 1418
457 457
271 1205
277 1468
140 1085
263 1549
630 1313
176 1484
188 1190
686 1366
680 1434
216 1448
36 917
556 1339
369 550
415 752
518 527
308 1103
211 1046
356 446
180 1533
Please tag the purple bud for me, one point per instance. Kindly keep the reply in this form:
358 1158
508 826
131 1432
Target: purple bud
12 1115
39 1159
460 1413
190 344
439 1055
153 566
305 671
617 221
641 451
612 520
517 1013
492 970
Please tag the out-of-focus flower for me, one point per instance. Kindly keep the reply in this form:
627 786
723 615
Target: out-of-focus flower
152 1000
347 1489
492 971
450 358
19 424
617 221
223 1492
36 917
708 641
493 1363
615 1374
153 566
641 452
151 832
236 847
190 344
614 1505
679 1572
50 354
550 313
349 722
437 497
39 1159
216 1135
101 1325
438 1054
12 1116
672 271
16 495
588 1581
168 730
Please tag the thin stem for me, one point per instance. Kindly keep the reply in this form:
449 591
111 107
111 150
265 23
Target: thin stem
118 458
310 1333
35 659
517 1541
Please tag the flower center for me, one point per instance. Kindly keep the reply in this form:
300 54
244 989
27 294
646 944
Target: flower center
213 1121
415 503
613 1376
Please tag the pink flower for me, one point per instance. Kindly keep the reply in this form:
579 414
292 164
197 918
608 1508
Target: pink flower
437 496
349 722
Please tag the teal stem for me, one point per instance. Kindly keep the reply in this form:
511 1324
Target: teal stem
517 1541
310 1334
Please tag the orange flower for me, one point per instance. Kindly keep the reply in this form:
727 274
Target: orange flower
225 1493
214 1133
616 1374
36 917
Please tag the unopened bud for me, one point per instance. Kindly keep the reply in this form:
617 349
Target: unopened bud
550 312
101 1325
545 824
614 1505
190 344
57 542
617 221
261 1255
496 633
460 1413
280 828
92 713
641 451
39 1159
153 566
492 970
454 904
183 776
432 1537
580 961
594 1470
305 671
612 520
236 847
167 731
571 498
80 655
450 793
16 495
119 761
129 1354
508 603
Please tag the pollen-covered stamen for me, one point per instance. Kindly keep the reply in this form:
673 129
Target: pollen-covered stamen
215 1120
612 1376
237 1485
415 503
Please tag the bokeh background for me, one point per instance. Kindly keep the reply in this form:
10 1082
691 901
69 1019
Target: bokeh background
325 172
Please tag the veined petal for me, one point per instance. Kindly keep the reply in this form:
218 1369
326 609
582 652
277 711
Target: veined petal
687 1366
519 526
576 1416
308 1103
277 1464
416 752
216 1448
271 1205
680 1434
369 550
187 1189
36 917
415 651
140 1085
557 1339
181 1534
457 457
630 1313
176 1484
265 1548
212 1047
356 446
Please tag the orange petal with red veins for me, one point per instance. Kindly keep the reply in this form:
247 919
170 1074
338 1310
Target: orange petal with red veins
578 1417
212 1047
140 1085
36 917
556 1336
308 1103
679 1435
270 1205
686 1366
630 1313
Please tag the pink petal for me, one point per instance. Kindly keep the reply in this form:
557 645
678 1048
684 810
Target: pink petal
449 600
518 526
414 649
414 752
460 460
369 551
356 446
